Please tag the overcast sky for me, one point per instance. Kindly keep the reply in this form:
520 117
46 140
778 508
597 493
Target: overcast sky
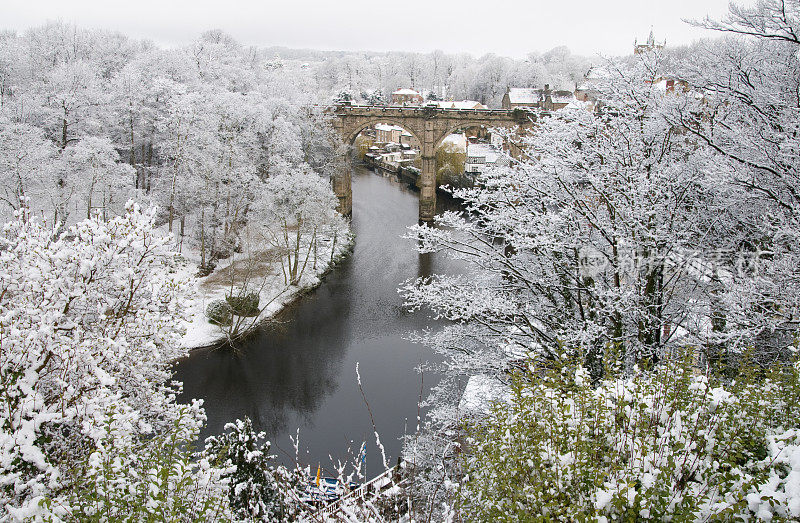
505 27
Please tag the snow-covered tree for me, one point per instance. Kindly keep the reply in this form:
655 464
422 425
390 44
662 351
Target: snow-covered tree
29 169
747 112
584 245
298 206
664 224
94 165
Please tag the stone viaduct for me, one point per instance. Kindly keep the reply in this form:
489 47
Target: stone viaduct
429 125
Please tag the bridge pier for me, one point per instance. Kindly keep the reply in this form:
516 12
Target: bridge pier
427 189
427 179
343 189
342 182
342 176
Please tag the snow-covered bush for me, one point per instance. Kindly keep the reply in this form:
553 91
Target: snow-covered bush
257 490
244 305
152 479
219 312
88 329
669 444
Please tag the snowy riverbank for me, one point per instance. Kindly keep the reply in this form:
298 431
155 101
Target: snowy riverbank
260 268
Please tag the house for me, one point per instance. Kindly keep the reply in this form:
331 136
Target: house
385 133
406 96
668 85
481 156
532 98
452 104
408 140
587 91
410 156
554 100
517 97
393 157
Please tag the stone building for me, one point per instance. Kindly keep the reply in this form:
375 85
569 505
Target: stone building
406 96
532 98
519 97
669 85
385 133
408 140
587 91
651 45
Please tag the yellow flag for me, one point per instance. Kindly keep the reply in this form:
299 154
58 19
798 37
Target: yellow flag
318 473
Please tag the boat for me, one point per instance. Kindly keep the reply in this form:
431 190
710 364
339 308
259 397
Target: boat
328 490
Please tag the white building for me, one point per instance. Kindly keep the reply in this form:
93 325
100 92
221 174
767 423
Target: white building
481 157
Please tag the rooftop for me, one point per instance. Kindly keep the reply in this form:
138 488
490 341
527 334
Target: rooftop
387 127
523 95
483 150
407 92
463 104
562 97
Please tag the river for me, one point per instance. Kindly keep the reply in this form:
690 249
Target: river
300 373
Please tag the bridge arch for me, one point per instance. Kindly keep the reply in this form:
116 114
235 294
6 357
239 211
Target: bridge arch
351 137
450 129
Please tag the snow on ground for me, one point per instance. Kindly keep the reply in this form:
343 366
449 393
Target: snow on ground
260 267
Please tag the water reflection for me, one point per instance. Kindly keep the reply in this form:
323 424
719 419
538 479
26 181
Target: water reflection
300 372
425 264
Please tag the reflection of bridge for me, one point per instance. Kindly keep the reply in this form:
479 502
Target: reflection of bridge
429 125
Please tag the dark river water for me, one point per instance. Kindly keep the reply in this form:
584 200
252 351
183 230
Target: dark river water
300 373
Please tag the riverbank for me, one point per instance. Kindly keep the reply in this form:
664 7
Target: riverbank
260 269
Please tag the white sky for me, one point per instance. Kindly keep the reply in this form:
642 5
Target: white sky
505 27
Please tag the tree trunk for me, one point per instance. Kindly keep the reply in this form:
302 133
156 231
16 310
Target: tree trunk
147 173
296 255
133 154
89 199
183 223
172 197
203 238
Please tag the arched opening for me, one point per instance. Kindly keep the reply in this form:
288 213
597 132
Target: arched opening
387 145
466 151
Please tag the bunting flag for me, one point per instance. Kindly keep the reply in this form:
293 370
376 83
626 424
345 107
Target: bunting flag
319 471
